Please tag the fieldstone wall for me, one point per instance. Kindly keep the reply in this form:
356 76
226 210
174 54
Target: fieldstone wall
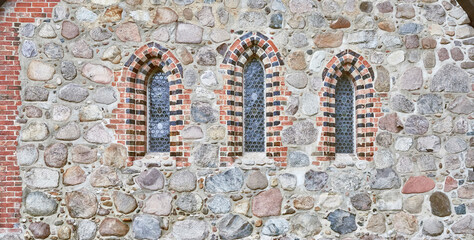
82 144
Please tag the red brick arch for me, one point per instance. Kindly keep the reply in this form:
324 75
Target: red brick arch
367 105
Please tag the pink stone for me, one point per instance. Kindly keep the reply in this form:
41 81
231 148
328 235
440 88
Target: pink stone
450 184
128 32
97 73
419 184
267 203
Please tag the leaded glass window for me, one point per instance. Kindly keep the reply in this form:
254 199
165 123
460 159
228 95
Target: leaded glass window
344 115
159 113
254 106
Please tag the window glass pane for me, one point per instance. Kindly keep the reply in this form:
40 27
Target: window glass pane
344 115
254 107
159 113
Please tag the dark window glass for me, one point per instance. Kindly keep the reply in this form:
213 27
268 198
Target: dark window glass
344 115
159 113
254 107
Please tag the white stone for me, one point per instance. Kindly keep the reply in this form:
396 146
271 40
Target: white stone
464 31
42 178
140 16
47 31
435 30
161 34
208 79
98 73
396 57
403 143
317 63
220 35
85 15
390 201
90 113
112 54
60 113
330 200
39 71
105 2
457 13
242 207
309 103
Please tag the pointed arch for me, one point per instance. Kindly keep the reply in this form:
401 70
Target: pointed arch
367 105
148 59
249 45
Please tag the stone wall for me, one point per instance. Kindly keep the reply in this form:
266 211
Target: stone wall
82 154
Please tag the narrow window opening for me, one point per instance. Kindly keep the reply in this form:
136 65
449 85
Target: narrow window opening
254 106
158 113
344 115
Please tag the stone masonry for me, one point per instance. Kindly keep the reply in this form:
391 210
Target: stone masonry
73 137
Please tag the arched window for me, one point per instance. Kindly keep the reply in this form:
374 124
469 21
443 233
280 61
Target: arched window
344 115
254 106
158 113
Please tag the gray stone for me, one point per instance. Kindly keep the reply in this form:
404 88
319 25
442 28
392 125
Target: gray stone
248 19
433 227
86 230
384 139
151 179
124 203
81 49
455 145
342 222
161 34
429 59
305 225
188 33
288 181
223 15
430 104
450 78
158 204
47 31
257 4
315 181
73 93
257 180
60 13
35 131
104 176
389 201
405 164
452 162
192 132
309 103
105 95
39 204
385 178
28 49
317 62
301 133
410 28
361 201
299 40
69 132
206 56
461 126
434 13
297 79
206 155
426 163
183 2
383 159
400 103
68 70
382 81
33 112
202 112
99 34
191 229
429 143
189 202
208 79
190 77
229 181
464 226
376 222
345 181
85 15
146 227
412 79
301 6
97 134
275 227
27 155
461 105
183 181
276 21
55 155
219 204
90 113
293 105
390 40
60 113
28 30
298 159
205 16
234 227
42 178
413 204
417 125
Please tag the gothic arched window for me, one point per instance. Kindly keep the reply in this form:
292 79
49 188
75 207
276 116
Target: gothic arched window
254 106
158 113
344 115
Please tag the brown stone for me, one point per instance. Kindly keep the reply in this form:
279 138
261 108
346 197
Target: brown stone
74 176
391 123
115 155
329 40
457 54
376 223
257 180
113 227
124 203
56 155
386 26
165 15
81 49
158 204
69 30
128 32
412 41
428 43
267 203
443 54
113 14
296 60
440 204
185 56
404 223
419 184
40 230
104 176
304 202
384 7
341 22
405 11
84 154
81 204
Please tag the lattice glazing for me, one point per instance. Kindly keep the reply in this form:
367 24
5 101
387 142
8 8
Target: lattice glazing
254 107
159 113
344 116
